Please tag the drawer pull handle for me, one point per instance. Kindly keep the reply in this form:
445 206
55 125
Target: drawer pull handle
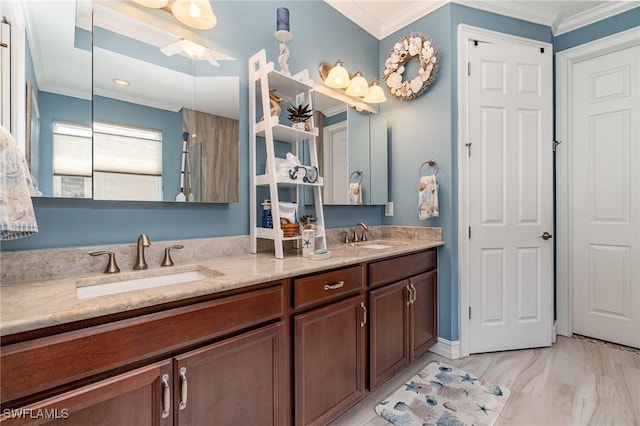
415 294
183 391
166 407
334 286
410 296
364 315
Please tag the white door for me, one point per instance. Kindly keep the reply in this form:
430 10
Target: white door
336 163
510 197
605 195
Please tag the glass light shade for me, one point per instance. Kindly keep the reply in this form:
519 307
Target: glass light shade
358 87
375 95
194 13
156 4
338 77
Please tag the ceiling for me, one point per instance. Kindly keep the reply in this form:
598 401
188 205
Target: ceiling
381 18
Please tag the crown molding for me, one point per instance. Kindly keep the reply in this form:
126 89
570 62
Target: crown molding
524 10
595 14
358 15
409 15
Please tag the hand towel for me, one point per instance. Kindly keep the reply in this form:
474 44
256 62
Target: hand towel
17 218
428 197
354 196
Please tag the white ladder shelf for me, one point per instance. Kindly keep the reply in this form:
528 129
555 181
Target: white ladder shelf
296 89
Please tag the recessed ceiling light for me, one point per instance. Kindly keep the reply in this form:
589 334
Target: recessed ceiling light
120 82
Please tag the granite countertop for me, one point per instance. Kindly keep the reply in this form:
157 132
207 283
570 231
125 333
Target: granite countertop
32 305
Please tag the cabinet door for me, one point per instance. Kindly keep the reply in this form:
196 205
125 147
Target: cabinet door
134 398
424 313
388 333
243 380
329 361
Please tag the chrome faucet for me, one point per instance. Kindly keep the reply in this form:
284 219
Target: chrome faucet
363 235
143 241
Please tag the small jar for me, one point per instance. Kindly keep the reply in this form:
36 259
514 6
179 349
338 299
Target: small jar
267 217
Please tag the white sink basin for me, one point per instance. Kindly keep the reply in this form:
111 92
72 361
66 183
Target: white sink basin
88 291
377 246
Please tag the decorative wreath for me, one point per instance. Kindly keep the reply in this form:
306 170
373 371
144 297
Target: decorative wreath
413 46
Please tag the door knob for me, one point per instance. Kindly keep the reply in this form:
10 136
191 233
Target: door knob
545 236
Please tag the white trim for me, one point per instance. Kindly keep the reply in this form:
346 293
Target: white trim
446 348
358 13
565 62
466 34
598 13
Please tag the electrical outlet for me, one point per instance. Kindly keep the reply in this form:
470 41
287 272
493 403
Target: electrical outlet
388 209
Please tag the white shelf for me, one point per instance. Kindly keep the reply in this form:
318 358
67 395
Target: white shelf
285 133
285 181
295 88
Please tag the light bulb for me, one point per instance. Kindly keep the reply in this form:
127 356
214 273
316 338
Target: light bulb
338 77
194 10
358 86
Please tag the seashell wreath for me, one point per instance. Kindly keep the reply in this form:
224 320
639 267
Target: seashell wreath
413 46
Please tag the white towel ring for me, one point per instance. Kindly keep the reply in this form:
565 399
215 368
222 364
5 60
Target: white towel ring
358 172
431 162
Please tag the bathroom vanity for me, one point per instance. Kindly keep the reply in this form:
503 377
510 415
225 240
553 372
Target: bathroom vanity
250 351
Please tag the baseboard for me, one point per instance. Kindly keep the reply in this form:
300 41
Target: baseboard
446 348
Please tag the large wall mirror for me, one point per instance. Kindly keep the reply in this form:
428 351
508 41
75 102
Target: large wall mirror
120 119
353 153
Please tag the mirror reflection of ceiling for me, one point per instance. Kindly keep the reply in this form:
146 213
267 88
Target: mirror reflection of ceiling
128 49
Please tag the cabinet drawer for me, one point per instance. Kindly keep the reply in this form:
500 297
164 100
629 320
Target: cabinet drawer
318 288
391 270
41 364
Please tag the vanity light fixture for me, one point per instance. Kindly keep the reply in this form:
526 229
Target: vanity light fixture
337 77
196 14
375 95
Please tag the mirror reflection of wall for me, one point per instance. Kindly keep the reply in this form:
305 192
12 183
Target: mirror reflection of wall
353 147
144 119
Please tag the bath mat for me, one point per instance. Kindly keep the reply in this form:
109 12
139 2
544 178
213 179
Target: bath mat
444 395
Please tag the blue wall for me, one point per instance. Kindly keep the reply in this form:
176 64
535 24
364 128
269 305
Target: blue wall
422 128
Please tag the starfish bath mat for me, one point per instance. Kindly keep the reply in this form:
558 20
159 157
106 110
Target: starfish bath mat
445 396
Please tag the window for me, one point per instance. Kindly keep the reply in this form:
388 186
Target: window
71 160
127 162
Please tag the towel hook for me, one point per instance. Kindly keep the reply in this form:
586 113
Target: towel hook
358 172
431 162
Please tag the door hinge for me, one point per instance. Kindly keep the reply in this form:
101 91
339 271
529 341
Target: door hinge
555 145
469 312
468 145
469 232
468 68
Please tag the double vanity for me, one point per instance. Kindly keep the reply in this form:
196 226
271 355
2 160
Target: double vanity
240 339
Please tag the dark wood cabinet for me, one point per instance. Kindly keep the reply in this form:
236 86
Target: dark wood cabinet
133 398
243 380
295 351
403 314
423 313
388 331
329 360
